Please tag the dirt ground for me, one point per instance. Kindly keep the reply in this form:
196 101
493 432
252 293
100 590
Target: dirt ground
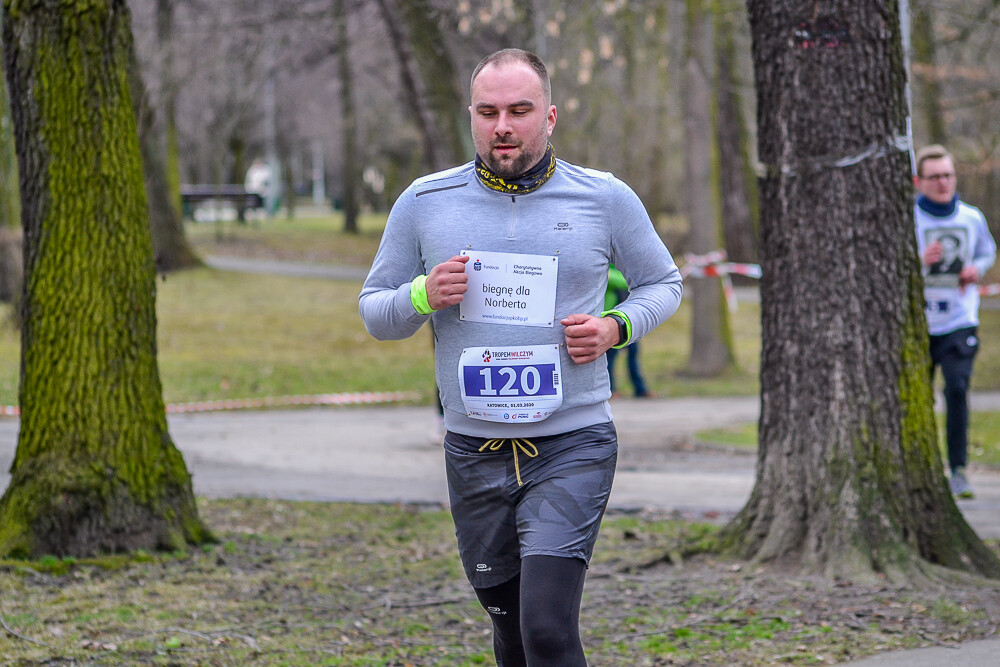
341 584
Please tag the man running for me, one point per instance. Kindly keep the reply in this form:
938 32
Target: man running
509 255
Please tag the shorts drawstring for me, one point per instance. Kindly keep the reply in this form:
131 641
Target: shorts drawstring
526 447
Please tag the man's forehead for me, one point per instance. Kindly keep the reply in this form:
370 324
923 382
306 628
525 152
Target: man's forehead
937 163
514 82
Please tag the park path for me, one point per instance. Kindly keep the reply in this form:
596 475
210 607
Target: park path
388 454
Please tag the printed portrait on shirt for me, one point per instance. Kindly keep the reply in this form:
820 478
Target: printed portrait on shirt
954 246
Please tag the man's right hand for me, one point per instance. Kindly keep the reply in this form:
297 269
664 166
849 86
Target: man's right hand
933 253
446 283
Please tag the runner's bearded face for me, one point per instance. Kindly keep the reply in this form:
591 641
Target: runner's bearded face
511 118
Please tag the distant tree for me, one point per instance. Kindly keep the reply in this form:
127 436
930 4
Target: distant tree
849 476
446 93
711 340
95 469
349 129
926 76
11 269
171 250
429 82
10 201
737 185
167 116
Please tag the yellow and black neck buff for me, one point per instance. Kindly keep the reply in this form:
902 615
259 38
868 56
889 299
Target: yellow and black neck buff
527 182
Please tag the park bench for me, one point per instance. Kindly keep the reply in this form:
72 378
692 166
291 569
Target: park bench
243 201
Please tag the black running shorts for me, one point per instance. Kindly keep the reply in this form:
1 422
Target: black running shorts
556 511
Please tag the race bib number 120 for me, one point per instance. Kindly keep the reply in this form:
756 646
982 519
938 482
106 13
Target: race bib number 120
510 384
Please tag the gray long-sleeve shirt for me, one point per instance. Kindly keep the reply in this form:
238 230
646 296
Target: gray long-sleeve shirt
586 218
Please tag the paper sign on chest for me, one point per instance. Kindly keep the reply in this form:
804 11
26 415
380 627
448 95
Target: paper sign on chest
510 288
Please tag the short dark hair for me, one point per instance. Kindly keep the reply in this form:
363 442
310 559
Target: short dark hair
932 152
511 56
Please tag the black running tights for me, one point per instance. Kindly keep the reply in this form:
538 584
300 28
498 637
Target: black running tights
536 615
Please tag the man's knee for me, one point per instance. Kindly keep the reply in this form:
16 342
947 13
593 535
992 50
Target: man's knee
546 638
956 386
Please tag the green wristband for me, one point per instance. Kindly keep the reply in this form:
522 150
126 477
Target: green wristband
628 327
418 296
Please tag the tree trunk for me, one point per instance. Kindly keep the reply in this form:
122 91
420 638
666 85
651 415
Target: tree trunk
11 268
168 99
849 477
10 201
11 264
926 77
711 340
95 469
436 154
351 167
445 93
171 250
738 189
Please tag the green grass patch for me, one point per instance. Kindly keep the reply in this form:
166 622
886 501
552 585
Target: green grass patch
984 437
313 239
742 436
230 335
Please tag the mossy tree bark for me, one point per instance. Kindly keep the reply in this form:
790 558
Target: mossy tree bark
849 477
95 469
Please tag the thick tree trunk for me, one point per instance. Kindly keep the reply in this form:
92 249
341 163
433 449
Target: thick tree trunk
849 477
711 340
95 469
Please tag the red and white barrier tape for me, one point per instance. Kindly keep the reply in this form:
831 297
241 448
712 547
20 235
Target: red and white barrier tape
714 265
356 398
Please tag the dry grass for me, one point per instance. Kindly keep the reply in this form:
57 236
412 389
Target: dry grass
340 584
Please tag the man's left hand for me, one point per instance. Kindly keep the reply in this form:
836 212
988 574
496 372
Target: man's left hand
969 275
588 337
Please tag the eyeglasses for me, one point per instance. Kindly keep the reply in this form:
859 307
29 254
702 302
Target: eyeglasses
937 177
